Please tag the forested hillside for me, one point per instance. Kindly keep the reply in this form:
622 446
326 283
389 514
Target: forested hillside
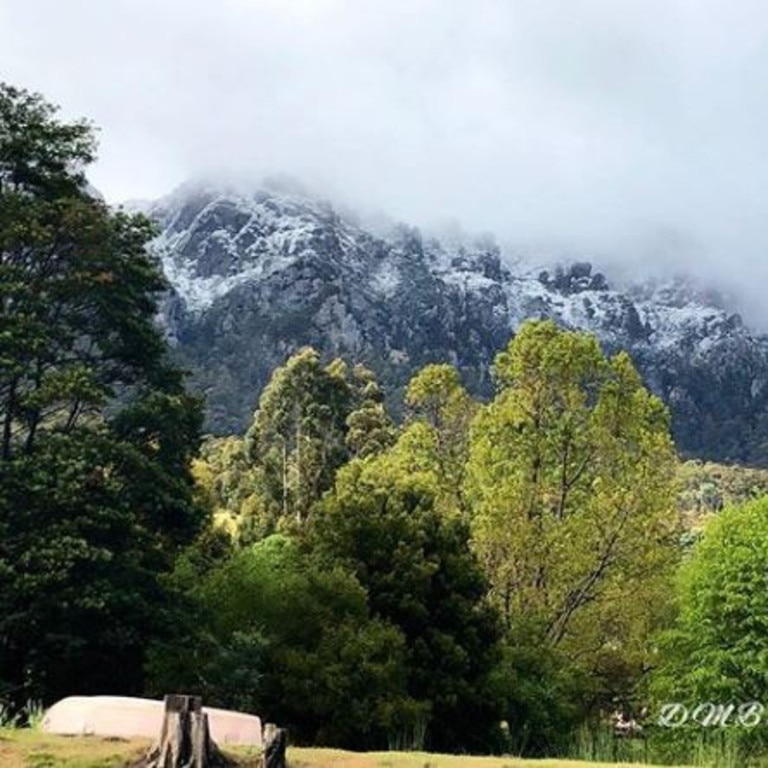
479 576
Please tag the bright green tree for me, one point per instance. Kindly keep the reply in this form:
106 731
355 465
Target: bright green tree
570 481
440 412
717 649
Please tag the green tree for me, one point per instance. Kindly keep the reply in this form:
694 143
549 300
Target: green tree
717 649
96 431
369 428
270 631
440 412
570 482
229 484
381 524
311 419
298 433
541 694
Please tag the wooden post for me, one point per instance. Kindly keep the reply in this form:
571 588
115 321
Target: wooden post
275 743
185 741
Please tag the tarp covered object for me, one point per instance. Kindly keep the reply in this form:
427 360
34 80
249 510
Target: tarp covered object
125 717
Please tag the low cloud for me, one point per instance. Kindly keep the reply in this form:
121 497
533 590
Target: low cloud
630 131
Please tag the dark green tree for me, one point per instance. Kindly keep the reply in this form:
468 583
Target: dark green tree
270 630
96 430
381 524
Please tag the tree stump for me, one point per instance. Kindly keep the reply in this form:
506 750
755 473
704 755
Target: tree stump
275 743
185 741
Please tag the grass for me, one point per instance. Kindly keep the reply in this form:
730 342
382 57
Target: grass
30 748
331 758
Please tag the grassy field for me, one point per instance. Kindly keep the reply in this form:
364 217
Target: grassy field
22 748
331 758
33 749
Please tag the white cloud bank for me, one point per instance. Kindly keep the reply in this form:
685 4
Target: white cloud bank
632 128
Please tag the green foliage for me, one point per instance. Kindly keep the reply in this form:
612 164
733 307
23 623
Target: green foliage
298 433
569 479
78 590
369 428
310 419
291 641
718 650
96 431
443 411
563 487
541 694
231 486
381 524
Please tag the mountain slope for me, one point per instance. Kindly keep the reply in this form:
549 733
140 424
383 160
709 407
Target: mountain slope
257 275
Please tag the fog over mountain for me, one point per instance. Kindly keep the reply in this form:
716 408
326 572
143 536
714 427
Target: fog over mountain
629 132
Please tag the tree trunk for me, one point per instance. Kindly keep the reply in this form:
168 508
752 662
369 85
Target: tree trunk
10 412
185 740
275 743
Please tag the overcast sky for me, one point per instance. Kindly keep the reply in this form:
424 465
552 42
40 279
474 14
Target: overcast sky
634 128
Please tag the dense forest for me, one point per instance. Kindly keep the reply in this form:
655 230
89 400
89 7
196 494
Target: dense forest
484 577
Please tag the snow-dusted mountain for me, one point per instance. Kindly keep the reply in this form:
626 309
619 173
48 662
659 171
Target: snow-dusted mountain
257 275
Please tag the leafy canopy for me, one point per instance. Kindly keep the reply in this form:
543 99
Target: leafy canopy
718 648
96 430
570 484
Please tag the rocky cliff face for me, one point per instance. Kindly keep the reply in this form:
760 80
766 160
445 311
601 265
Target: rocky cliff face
255 276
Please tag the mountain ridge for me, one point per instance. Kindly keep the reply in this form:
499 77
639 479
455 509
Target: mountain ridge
256 274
